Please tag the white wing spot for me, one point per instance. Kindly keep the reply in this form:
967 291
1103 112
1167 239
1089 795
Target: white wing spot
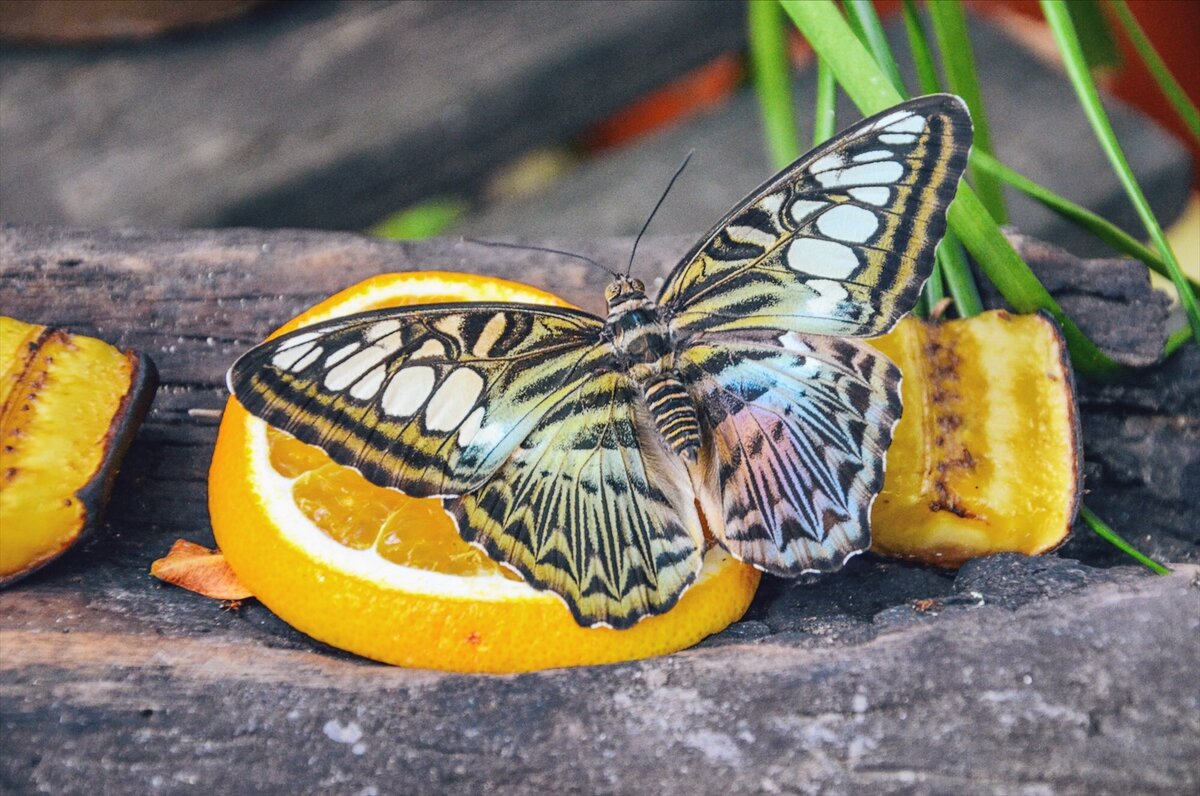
365 388
453 400
308 359
848 222
492 330
829 289
888 120
874 195
382 329
833 160
821 258
285 358
873 154
408 389
430 349
804 208
470 427
913 124
772 203
340 354
354 368
752 235
881 173
897 138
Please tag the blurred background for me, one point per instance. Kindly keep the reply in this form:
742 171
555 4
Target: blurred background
559 120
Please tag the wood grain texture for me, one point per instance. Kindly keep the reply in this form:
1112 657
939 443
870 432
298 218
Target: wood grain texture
327 114
1017 674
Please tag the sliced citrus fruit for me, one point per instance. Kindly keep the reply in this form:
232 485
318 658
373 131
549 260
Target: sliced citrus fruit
371 571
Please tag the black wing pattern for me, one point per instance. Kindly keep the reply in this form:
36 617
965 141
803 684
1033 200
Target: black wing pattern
797 431
430 400
840 242
593 462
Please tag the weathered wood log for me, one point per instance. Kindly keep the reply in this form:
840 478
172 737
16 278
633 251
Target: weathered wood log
331 115
1016 673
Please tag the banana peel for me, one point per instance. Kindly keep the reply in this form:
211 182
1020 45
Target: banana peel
987 455
69 407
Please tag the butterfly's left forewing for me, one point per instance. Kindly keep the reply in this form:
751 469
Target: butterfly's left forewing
430 400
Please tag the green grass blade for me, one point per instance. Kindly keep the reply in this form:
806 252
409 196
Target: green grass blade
1102 228
1176 339
866 24
935 288
424 220
1019 286
951 260
950 29
771 70
959 279
1113 538
1095 37
1068 44
918 43
825 113
1166 81
828 33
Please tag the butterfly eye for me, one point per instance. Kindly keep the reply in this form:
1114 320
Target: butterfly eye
637 285
611 291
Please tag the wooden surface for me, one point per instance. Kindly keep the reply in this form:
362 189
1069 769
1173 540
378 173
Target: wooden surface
327 114
1040 675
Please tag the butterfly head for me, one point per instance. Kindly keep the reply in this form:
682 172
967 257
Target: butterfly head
624 293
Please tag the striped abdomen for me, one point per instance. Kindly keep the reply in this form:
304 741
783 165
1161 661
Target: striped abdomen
674 415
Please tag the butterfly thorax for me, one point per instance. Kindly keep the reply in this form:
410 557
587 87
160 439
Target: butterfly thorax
642 344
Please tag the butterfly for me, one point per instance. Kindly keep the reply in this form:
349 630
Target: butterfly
582 451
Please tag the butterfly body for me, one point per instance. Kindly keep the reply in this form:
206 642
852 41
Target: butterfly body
643 348
580 451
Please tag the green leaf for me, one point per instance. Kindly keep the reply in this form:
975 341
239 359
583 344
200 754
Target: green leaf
872 92
771 70
1113 538
1095 37
918 43
825 113
1166 81
958 59
1103 229
865 23
959 279
1176 339
424 220
1068 44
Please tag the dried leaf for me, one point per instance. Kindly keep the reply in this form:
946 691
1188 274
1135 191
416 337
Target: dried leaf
196 568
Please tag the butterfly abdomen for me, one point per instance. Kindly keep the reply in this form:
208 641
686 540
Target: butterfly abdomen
674 415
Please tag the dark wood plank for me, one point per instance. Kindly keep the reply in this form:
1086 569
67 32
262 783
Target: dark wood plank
1027 672
325 114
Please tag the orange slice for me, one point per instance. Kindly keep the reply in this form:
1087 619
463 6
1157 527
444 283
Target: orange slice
385 576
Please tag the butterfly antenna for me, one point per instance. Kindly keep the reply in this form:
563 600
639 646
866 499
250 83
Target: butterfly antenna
661 199
503 245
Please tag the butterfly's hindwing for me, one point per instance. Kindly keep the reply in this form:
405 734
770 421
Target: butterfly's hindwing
593 506
798 427
430 400
839 243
